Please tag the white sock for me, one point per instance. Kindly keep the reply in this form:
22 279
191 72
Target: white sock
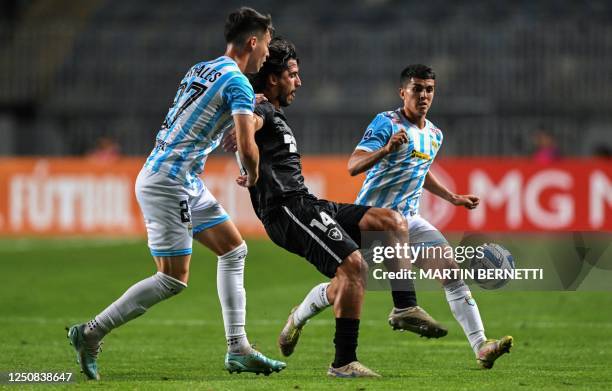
133 303
230 288
465 310
314 302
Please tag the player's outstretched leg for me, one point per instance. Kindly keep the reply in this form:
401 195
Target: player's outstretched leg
345 292
465 310
225 240
314 302
86 338
406 315
492 349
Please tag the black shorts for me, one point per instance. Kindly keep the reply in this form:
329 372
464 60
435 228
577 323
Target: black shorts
321 231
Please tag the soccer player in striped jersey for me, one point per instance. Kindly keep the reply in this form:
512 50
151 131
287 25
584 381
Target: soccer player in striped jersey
177 206
397 151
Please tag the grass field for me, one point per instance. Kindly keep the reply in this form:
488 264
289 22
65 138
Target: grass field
562 339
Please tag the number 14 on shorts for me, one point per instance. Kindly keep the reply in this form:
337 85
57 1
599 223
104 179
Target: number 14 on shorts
324 223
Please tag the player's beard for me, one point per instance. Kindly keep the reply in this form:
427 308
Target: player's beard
282 99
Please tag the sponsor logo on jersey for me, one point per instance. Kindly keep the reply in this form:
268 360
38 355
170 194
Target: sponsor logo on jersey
335 234
290 140
419 155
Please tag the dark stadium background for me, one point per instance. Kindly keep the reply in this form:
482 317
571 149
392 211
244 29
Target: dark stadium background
73 71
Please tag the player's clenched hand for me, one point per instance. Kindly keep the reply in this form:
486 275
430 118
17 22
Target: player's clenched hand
469 201
397 140
242 180
260 98
229 143
246 181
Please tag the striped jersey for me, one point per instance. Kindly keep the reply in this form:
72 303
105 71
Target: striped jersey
209 94
396 181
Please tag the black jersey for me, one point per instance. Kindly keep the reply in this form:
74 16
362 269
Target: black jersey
280 168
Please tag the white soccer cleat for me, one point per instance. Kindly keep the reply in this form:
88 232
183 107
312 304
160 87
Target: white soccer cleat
289 336
492 349
352 370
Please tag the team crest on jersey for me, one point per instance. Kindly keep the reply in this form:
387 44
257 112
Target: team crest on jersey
334 234
434 144
160 144
470 301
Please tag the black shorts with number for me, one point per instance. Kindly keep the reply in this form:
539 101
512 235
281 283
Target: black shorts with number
321 231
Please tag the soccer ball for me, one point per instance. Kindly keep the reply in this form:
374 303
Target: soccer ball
495 260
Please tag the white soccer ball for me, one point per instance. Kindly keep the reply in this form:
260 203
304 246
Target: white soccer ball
490 269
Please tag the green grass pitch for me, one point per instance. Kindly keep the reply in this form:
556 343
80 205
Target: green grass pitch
562 339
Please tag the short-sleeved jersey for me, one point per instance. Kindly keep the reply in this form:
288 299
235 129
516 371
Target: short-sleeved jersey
280 168
396 181
209 94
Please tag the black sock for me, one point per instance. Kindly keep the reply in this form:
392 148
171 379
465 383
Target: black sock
347 332
404 299
403 293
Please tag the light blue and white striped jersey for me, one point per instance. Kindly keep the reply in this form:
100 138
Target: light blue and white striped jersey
209 94
396 181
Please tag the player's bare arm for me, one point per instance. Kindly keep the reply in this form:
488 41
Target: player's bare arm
361 161
229 138
433 185
245 142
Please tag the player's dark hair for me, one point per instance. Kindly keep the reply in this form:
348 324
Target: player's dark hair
244 23
418 71
281 51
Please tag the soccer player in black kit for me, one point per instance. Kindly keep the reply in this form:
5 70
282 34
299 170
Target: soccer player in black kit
321 231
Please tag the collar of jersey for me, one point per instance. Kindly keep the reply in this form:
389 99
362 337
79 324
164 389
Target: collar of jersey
228 58
406 121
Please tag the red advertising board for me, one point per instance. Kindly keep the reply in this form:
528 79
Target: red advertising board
80 197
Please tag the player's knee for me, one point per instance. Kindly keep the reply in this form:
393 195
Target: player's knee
396 221
233 261
180 274
171 285
176 267
391 221
354 267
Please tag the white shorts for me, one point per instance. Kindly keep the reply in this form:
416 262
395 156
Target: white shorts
173 212
422 232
